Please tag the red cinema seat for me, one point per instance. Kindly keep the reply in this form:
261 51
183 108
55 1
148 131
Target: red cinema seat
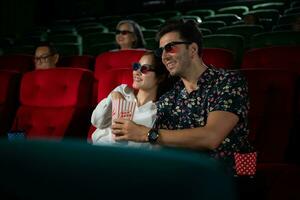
114 60
271 117
110 80
280 57
55 103
273 57
85 61
220 58
9 98
18 62
272 97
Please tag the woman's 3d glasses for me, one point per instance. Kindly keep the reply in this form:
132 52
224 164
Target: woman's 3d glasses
143 68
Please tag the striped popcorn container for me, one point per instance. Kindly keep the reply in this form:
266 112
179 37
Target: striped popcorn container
123 109
245 163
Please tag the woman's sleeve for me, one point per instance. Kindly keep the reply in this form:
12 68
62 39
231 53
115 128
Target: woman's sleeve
101 117
102 136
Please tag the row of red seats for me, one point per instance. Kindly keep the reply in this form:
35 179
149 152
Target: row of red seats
107 61
24 63
123 59
272 95
57 103
275 56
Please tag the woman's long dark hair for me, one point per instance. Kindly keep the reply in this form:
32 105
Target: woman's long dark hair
166 82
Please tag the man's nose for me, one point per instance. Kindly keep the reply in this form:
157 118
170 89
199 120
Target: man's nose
165 56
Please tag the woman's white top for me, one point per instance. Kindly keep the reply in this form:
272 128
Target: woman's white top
102 117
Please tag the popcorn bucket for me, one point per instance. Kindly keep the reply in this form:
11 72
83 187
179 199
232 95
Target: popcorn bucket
245 163
123 109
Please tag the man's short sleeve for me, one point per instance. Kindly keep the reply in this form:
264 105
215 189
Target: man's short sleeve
230 94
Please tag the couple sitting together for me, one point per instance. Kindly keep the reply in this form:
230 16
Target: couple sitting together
205 109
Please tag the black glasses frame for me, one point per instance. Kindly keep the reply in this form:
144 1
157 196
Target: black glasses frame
168 47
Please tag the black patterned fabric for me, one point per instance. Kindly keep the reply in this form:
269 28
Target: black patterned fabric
218 90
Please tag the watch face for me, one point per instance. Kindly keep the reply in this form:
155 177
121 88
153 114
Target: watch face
153 135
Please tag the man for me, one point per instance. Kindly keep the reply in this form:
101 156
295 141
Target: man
206 110
45 56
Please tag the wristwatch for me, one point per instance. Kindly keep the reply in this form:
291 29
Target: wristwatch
153 135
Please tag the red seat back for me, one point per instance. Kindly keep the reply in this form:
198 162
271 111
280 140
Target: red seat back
279 57
113 60
19 62
55 103
273 57
272 94
9 98
85 61
222 58
111 79
116 59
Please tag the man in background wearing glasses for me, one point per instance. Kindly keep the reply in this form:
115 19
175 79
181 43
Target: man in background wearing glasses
45 56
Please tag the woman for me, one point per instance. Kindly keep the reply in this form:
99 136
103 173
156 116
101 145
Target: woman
149 81
129 35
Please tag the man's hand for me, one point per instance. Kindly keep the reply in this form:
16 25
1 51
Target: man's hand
125 129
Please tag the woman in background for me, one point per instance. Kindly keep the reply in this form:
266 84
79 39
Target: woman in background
129 35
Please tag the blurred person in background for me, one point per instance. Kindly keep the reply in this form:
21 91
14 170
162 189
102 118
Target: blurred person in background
296 24
45 56
251 19
129 35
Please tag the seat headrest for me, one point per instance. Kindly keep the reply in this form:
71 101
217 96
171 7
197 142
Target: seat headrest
57 87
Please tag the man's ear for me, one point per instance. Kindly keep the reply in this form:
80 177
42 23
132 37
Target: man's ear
56 57
194 49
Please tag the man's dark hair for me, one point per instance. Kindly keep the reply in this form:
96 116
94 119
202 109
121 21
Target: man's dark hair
188 31
50 45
